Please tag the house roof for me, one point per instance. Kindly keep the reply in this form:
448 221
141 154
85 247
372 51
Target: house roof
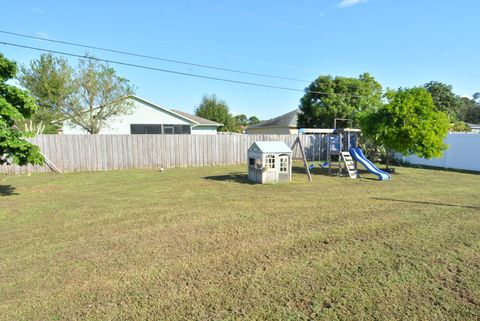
286 120
199 120
473 126
270 147
195 120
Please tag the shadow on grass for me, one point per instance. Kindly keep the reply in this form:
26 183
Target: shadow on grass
427 203
313 171
324 172
440 169
7 190
236 177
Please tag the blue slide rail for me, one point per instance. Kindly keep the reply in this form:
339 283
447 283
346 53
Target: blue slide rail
357 155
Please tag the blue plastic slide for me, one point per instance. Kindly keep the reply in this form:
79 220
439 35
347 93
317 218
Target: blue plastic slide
357 155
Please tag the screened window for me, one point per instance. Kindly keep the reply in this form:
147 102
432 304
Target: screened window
160 129
168 129
154 129
283 164
270 161
181 129
138 129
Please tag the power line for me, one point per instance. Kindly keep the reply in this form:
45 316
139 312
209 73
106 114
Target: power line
152 57
122 63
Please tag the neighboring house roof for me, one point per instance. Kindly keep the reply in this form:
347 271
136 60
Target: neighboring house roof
286 120
195 120
473 126
199 120
270 147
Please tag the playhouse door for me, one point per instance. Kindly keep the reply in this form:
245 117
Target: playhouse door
283 173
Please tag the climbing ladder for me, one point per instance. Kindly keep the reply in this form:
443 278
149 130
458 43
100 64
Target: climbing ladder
349 164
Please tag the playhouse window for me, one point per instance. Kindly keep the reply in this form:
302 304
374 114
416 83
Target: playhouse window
283 164
270 161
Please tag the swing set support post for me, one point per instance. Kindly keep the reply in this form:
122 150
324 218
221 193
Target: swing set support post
298 142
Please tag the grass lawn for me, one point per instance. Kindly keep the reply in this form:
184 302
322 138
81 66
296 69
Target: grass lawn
204 244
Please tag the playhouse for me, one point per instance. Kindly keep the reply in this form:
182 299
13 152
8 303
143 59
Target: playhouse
269 162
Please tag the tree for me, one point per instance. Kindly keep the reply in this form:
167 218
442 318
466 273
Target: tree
15 105
459 126
471 110
50 81
241 119
99 95
253 120
444 99
409 123
328 98
217 110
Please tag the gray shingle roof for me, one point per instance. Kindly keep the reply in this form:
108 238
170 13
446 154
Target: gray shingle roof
200 120
286 120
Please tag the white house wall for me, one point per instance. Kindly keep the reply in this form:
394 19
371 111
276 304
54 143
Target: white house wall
140 114
204 130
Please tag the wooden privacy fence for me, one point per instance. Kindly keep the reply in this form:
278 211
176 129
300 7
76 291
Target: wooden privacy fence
71 153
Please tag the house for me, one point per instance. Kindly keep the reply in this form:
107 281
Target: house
269 162
149 118
283 125
475 128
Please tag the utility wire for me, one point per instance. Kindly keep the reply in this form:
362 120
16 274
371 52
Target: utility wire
172 71
152 57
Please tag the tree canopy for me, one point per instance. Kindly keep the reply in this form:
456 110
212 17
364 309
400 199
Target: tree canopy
471 110
217 110
100 95
50 80
253 120
15 105
85 96
445 99
408 123
327 98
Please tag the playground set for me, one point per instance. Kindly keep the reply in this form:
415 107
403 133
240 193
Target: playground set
343 154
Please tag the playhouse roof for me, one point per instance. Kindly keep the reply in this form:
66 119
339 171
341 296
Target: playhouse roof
270 147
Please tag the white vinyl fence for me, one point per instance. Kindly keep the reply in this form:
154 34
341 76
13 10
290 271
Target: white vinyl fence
463 153
70 153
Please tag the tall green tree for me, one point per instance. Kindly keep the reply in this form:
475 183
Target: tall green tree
241 119
253 120
15 105
99 95
471 109
408 123
50 80
217 110
328 98
445 99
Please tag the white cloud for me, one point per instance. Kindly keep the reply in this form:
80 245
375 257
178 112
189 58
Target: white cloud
38 11
348 3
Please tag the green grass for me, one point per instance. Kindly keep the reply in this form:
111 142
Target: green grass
203 244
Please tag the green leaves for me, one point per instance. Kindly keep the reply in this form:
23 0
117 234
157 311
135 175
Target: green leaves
409 123
328 98
217 110
86 96
15 105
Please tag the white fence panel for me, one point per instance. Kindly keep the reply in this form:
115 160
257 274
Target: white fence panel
463 153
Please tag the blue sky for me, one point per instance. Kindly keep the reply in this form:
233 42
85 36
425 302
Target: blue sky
401 43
